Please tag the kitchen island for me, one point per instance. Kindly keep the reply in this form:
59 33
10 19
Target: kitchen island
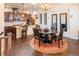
16 28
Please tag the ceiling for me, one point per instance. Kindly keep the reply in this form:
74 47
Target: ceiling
25 6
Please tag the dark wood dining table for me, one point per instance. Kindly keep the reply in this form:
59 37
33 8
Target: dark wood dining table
45 35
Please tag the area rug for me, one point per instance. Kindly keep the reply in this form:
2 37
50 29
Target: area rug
48 48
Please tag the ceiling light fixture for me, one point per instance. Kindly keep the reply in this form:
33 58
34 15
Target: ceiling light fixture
45 6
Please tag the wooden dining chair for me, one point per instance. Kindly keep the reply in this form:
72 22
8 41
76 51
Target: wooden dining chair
36 35
58 38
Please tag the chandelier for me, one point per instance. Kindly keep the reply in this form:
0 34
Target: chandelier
23 10
45 6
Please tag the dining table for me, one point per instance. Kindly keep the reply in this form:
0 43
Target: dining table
46 36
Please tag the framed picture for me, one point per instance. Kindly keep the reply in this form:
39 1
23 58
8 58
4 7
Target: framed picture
54 20
63 21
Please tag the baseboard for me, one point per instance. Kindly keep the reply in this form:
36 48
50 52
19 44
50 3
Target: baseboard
71 38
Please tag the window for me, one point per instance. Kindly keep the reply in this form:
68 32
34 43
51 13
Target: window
40 18
45 18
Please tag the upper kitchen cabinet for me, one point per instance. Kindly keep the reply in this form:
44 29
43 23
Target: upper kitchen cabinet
16 15
12 15
8 16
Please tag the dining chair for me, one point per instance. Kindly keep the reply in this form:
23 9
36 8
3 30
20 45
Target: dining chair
53 28
39 36
37 26
36 35
58 38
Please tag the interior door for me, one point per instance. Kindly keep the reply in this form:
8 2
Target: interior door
54 20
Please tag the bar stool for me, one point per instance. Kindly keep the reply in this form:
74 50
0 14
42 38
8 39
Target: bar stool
24 31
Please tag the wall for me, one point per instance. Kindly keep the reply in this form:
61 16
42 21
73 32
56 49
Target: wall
72 11
74 23
2 26
1 17
78 18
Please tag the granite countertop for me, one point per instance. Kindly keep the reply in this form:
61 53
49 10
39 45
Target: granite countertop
14 23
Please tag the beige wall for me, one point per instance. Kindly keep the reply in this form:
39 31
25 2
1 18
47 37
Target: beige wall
78 18
1 17
2 26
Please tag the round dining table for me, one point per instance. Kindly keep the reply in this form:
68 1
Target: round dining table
46 36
